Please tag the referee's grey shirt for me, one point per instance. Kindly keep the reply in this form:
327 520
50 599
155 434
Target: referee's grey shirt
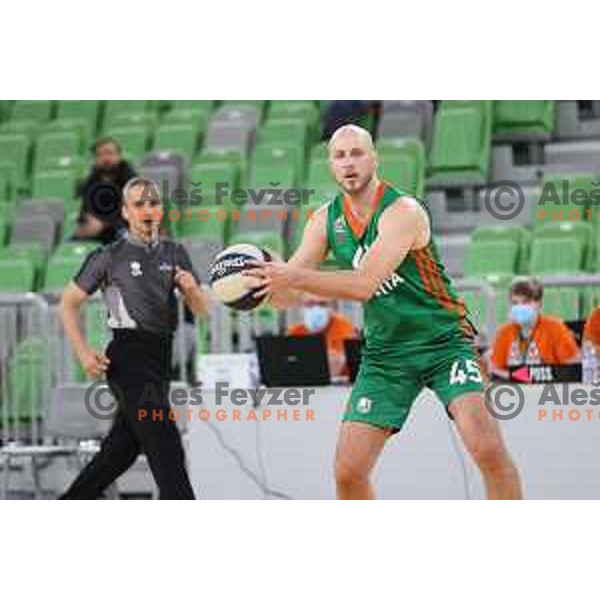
137 281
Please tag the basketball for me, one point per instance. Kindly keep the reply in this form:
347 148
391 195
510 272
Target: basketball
226 277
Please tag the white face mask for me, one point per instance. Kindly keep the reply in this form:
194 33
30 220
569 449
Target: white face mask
316 318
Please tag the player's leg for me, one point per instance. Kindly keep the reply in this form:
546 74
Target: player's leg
118 452
378 406
482 438
455 377
359 446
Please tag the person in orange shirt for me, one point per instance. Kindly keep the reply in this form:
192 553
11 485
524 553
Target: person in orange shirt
320 317
531 338
591 330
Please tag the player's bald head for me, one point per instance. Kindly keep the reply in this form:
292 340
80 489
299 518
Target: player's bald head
352 158
353 134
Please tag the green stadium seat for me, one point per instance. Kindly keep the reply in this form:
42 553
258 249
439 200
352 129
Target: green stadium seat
149 120
258 104
519 236
557 197
582 233
554 256
87 110
461 147
31 251
319 172
282 152
76 125
206 176
27 127
195 119
15 153
114 108
280 176
277 163
403 173
54 184
60 271
563 303
16 274
37 110
205 222
320 150
133 140
205 105
75 249
293 108
52 149
524 116
488 257
283 130
181 139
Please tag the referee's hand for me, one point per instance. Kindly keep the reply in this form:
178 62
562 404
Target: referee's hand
94 363
184 280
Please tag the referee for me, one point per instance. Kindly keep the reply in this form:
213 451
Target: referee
138 275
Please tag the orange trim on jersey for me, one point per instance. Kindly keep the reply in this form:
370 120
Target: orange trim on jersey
435 285
357 224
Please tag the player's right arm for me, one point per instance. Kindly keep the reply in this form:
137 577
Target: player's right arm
309 255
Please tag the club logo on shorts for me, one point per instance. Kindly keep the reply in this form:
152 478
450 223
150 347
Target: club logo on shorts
135 268
363 406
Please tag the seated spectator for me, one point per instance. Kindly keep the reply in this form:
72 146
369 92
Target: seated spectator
531 338
320 317
100 216
591 330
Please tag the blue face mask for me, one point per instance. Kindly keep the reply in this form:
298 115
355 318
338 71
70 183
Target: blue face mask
316 318
524 315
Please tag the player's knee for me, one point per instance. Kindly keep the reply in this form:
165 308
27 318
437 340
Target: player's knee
489 454
347 476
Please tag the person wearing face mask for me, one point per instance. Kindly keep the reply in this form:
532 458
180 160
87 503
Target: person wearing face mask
319 317
531 338
100 216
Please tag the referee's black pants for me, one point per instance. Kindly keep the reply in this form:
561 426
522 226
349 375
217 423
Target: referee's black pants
138 377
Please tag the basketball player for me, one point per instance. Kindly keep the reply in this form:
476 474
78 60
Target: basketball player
416 329
138 275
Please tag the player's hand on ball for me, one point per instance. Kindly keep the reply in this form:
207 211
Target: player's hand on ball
94 363
184 280
272 277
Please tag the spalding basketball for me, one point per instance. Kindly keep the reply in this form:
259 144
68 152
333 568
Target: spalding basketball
227 281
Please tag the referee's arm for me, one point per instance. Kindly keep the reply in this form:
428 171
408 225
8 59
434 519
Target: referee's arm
93 362
196 300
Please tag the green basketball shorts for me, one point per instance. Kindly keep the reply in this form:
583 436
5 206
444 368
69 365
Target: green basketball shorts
384 393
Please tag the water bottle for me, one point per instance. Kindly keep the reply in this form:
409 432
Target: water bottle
589 364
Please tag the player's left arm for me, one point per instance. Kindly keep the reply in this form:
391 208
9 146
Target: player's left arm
402 227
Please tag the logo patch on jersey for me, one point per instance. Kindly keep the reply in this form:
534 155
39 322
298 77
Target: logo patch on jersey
163 267
363 406
339 230
135 268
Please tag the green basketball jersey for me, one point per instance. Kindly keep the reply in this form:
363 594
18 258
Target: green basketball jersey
416 309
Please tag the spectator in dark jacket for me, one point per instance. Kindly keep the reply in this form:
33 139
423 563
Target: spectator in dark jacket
101 192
